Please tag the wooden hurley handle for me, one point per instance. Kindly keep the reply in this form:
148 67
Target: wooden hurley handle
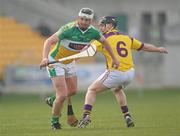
44 65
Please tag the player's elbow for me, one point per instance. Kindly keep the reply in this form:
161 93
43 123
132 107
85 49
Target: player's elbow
146 47
49 41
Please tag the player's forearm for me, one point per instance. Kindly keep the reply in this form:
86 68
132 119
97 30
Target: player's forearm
108 48
150 48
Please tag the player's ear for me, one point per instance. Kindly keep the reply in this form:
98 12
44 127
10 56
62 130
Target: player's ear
92 20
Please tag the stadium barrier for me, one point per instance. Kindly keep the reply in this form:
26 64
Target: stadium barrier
30 79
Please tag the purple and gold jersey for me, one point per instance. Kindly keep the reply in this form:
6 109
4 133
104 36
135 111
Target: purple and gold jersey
122 46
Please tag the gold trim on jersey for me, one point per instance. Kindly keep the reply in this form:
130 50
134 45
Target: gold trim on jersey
64 52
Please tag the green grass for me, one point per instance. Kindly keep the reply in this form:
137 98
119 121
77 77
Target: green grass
155 113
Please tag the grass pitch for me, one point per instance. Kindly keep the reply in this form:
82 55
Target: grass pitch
155 113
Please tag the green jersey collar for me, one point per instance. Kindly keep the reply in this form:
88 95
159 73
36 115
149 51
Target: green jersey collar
82 30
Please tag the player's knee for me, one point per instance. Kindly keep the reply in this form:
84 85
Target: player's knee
72 93
61 98
60 88
92 89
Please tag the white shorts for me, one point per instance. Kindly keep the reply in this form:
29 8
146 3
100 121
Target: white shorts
59 69
116 78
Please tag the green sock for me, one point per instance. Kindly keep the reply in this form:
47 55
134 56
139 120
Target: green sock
54 119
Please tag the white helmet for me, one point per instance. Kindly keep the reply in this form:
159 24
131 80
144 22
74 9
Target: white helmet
86 13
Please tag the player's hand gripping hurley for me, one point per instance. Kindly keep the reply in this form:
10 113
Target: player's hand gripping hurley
89 52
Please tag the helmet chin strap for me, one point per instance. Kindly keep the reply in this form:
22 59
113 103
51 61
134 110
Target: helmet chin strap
109 29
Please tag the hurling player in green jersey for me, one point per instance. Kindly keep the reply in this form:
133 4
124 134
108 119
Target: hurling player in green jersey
69 39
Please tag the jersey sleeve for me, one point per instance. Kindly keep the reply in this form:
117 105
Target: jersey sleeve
62 32
136 44
98 45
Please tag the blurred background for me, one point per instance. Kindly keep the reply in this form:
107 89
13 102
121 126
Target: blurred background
153 97
25 24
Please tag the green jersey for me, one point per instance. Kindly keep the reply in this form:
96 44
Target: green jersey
72 40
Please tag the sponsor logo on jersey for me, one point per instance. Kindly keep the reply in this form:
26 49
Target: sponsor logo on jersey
77 46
